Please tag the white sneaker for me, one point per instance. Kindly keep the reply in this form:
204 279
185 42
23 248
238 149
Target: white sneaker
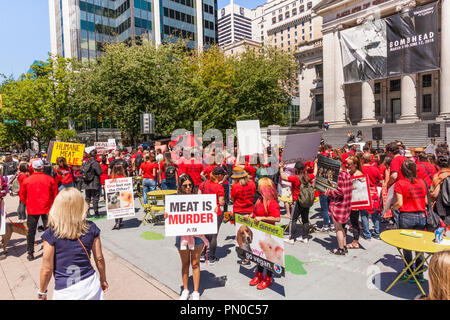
184 295
290 241
304 240
195 295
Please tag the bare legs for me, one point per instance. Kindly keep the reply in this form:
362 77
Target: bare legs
190 258
340 235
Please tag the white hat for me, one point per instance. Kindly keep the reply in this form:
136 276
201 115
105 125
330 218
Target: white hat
408 154
37 164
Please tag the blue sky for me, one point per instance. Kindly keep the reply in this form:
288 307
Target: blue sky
25 32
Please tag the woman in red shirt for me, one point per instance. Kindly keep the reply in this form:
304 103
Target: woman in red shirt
117 172
149 171
266 210
411 202
104 166
212 186
64 176
23 174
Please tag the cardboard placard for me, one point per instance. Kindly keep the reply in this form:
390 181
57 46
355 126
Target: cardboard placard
119 198
112 144
249 137
327 173
191 214
2 218
101 147
301 147
361 198
262 243
73 152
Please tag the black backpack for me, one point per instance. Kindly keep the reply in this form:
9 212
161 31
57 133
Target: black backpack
138 161
86 172
442 206
170 172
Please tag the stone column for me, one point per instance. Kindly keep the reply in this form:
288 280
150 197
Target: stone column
408 99
340 104
368 104
157 32
445 61
199 25
328 76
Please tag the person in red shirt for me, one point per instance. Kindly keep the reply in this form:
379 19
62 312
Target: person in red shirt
411 202
118 172
37 193
375 180
242 191
64 176
266 210
104 176
425 169
149 171
393 151
212 186
300 177
194 168
23 174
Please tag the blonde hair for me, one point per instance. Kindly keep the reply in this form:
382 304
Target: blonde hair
243 181
439 275
67 216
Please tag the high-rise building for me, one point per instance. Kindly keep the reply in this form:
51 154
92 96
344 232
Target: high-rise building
80 28
235 24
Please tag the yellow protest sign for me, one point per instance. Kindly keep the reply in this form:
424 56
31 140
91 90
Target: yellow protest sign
73 152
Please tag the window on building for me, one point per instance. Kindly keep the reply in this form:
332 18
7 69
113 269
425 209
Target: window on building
294 12
377 108
287 15
275 40
377 88
280 17
295 33
426 80
319 71
274 20
395 85
289 43
426 103
302 9
303 38
289 29
282 38
289 35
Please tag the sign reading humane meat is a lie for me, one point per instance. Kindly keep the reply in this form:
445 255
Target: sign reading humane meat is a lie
191 215
72 152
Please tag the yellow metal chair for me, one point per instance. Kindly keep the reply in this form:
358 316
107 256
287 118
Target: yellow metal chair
152 210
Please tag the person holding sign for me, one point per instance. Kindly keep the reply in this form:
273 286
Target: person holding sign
189 256
266 210
117 173
64 176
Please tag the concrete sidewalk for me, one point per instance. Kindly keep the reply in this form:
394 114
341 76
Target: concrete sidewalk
19 278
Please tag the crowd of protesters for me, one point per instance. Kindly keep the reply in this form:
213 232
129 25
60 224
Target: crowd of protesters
254 186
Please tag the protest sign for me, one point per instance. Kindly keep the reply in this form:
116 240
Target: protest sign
262 243
2 218
301 147
361 198
112 144
72 152
327 173
191 214
101 147
89 149
249 137
448 135
119 198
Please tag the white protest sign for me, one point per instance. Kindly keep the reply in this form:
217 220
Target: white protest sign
101 147
301 147
249 137
448 135
190 215
2 218
119 198
88 149
112 144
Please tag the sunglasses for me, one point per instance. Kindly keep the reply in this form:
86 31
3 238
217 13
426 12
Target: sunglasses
187 185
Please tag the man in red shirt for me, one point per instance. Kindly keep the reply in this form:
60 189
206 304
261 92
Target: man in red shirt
37 193
194 168
425 170
374 178
393 151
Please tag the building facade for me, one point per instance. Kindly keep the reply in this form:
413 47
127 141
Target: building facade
80 28
235 24
402 99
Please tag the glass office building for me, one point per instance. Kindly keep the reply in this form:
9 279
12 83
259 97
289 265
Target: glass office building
80 28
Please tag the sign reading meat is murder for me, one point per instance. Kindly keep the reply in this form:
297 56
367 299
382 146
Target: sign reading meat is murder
190 215
72 152
119 198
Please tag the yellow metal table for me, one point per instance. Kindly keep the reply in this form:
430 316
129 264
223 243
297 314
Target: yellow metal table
155 196
424 246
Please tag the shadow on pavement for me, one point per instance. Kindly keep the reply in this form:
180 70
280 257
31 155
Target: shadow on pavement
405 290
132 223
223 251
208 280
275 287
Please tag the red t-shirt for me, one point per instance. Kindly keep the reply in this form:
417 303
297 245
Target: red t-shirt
209 187
194 169
373 174
208 169
64 176
104 174
423 174
382 170
413 194
147 170
273 209
396 165
251 171
243 197
295 186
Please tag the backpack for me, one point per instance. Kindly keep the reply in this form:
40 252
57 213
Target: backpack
86 172
138 161
307 194
442 206
170 172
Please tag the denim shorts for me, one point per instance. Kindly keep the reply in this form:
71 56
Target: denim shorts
198 242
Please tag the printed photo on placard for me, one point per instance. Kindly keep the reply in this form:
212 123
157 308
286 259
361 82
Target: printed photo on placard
361 198
192 214
327 173
119 198
262 243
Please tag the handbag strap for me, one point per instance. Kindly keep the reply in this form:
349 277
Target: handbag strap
429 174
89 258
428 195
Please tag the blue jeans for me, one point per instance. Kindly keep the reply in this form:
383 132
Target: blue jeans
148 185
63 186
376 218
169 184
415 221
324 202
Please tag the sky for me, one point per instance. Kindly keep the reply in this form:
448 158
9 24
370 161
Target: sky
25 32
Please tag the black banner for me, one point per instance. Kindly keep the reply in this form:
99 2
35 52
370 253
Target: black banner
412 41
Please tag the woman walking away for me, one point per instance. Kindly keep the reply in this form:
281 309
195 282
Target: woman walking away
118 172
411 202
68 242
189 247
168 172
266 210
148 170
